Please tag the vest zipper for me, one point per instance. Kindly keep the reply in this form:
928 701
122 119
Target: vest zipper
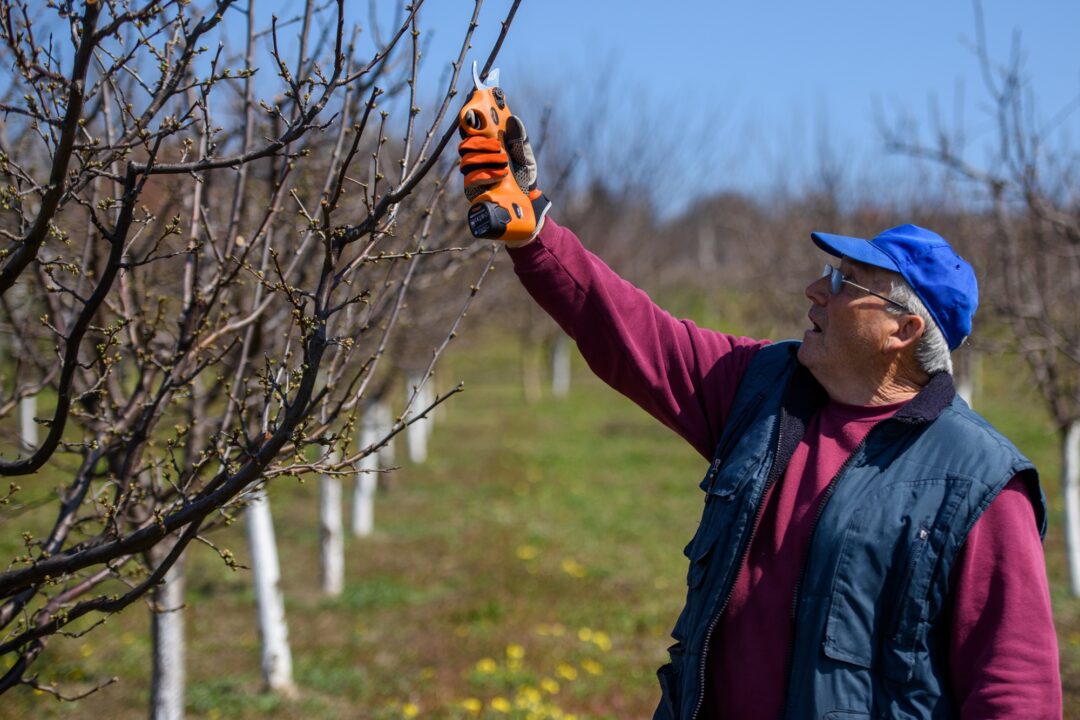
770 480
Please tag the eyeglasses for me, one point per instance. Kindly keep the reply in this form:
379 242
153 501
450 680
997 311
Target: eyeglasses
837 280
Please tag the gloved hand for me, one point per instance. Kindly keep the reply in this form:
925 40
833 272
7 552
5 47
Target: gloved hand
485 161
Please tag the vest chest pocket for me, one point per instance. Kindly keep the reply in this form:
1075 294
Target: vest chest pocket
881 602
724 487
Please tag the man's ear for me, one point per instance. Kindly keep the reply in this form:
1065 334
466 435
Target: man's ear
909 329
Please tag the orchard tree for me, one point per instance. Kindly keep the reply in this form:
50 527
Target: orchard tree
210 218
1031 243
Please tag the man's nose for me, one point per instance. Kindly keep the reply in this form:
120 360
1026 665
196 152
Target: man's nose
818 291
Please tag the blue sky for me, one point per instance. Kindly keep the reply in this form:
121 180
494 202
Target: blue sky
766 79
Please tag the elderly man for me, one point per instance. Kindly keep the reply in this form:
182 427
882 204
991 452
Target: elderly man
870 547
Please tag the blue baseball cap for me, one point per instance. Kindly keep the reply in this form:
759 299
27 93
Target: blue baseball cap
943 280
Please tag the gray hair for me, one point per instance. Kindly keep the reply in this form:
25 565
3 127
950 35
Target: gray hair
932 353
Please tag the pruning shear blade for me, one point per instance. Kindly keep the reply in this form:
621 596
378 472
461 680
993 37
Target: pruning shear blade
492 78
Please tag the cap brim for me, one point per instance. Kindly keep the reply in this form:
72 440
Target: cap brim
855 249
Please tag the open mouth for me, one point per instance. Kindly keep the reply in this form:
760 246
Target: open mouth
816 328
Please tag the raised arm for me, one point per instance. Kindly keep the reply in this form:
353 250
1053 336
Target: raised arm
683 375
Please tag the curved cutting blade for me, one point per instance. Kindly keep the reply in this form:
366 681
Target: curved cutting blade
492 78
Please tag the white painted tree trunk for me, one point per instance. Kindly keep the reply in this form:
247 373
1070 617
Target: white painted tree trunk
1070 475
28 428
266 572
167 633
363 508
416 434
560 366
332 556
968 366
383 421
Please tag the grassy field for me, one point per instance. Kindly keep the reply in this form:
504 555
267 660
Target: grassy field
532 568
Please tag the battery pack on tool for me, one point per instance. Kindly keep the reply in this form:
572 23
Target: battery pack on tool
491 220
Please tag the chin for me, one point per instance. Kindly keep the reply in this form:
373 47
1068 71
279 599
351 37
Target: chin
805 353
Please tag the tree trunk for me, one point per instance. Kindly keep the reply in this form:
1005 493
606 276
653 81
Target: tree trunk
28 428
967 366
560 366
363 509
1070 475
416 434
266 572
383 421
167 635
332 557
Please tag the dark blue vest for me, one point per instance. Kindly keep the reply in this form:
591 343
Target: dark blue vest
869 611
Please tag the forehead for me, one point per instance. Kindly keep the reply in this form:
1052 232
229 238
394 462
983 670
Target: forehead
867 273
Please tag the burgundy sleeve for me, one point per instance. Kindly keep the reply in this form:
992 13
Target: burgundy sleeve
684 376
1004 654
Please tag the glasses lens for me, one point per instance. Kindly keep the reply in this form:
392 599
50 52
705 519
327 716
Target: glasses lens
836 279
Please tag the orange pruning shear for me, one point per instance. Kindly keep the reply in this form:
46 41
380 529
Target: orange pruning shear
500 209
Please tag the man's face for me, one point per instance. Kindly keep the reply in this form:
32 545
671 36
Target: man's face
848 332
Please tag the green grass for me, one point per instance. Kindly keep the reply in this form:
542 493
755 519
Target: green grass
532 565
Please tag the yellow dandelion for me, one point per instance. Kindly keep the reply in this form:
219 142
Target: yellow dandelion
127 638
551 687
591 666
214 714
486 666
528 696
500 704
86 650
427 673
660 583
527 552
515 651
410 710
566 671
602 641
471 705
584 634
573 568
